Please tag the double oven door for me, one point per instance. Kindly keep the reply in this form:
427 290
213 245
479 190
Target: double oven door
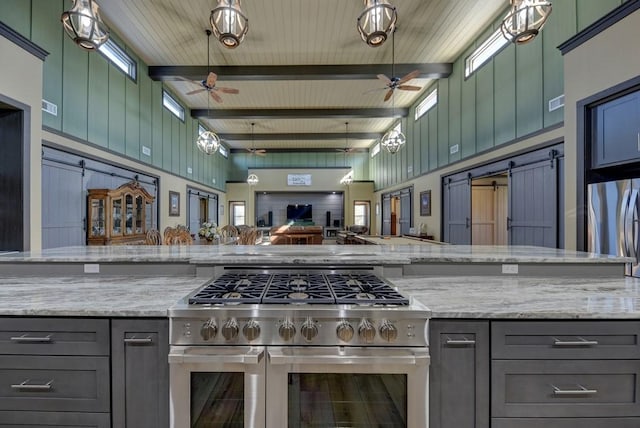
298 387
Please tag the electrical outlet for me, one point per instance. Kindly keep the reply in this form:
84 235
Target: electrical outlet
91 268
146 151
189 170
510 269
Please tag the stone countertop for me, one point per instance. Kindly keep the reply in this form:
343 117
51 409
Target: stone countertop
526 297
308 254
447 297
96 296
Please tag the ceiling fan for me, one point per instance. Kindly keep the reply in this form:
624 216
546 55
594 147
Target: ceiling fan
253 150
209 84
393 83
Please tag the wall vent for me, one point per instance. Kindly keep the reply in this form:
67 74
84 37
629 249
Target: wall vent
49 107
556 103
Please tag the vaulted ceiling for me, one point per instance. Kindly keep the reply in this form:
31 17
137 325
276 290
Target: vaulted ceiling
302 72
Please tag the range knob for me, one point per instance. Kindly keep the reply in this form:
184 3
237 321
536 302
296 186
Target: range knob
309 330
287 330
251 330
344 331
230 329
366 331
209 330
388 331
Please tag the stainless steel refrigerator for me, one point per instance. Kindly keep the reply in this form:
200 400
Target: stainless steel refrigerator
613 220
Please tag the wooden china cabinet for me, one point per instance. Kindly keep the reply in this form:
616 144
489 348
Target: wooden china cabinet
118 216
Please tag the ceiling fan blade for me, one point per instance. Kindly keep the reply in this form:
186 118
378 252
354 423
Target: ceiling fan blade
384 78
388 95
409 88
228 90
195 91
215 96
409 76
211 79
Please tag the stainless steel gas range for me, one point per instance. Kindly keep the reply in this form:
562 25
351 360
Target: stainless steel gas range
292 347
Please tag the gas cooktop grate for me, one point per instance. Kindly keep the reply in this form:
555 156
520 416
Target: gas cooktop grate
299 288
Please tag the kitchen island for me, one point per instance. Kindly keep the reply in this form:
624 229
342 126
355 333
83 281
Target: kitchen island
579 300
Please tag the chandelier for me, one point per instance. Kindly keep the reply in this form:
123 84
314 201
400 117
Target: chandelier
208 142
83 24
393 140
376 21
525 20
229 24
252 179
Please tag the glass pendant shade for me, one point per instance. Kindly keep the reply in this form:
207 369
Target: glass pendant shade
525 20
229 24
83 24
252 179
208 142
376 22
393 140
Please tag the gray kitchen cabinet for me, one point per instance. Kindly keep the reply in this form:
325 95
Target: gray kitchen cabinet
54 372
459 374
140 373
565 374
616 131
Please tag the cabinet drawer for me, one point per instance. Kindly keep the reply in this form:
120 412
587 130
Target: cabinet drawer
555 388
54 336
565 340
565 423
64 384
54 419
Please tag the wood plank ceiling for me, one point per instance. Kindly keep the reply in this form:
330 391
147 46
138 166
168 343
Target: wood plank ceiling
284 68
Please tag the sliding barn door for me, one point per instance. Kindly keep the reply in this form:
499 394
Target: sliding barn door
386 214
457 212
405 211
533 204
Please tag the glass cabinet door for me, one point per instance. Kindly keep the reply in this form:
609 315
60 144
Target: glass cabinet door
117 217
129 214
97 216
139 215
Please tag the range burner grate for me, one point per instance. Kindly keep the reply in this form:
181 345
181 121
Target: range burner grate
232 288
298 288
364 289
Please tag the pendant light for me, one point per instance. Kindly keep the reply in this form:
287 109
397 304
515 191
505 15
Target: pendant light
229 24
376 21
393 140
348 178
525 20
208 142
252 179
83 24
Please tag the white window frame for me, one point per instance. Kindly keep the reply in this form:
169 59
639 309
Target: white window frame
426 104
173 105
236 218
375 149
483 53
223 151
361 218
119 58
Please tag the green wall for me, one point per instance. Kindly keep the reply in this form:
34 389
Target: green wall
99 104
507 98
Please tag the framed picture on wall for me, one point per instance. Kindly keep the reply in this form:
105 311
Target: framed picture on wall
174 204
425 203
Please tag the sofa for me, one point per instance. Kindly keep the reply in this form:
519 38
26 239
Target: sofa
293 234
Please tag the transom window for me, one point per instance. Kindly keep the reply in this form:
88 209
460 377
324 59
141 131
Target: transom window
426 104
487 50
118 57
173 106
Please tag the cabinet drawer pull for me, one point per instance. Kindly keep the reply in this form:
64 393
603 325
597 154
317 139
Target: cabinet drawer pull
581 391
25 386
26 339
460 342
138 340
579 342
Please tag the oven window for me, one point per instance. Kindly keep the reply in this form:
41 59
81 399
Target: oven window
347 400
217 400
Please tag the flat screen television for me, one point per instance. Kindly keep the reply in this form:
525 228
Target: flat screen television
299 212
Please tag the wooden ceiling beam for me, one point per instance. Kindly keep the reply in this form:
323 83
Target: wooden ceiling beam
335 113
297 72
301 136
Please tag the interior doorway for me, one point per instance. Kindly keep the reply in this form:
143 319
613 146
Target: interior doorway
395 215
13 216
489 210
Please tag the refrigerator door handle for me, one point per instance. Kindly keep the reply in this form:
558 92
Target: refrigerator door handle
622 223
629 226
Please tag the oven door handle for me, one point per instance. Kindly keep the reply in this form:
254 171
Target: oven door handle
211 354
395 356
